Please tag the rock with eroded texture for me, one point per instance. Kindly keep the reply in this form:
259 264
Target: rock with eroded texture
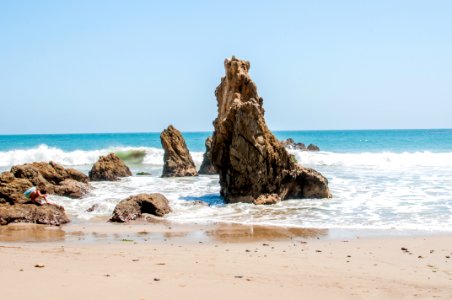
206 167
177 161
52 177
134 207
109 168
49 214
253 165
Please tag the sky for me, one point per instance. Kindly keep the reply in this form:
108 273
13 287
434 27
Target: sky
138 66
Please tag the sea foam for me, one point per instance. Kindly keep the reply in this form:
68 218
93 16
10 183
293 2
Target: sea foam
134 155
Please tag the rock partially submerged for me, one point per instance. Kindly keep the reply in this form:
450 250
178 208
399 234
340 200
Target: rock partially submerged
49 214
206 167
312 147
253 165
292 145
177 161
109 168
134 207
52 177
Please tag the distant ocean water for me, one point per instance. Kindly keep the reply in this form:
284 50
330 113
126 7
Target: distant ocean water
380 179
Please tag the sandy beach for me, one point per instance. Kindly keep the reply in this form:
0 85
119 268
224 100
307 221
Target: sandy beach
219 262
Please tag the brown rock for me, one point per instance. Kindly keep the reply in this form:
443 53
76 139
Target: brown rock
109 168
133 207
54 178
266 199
49 214
290 144
71 188
312 147
253 165
206 167
12 189
177 159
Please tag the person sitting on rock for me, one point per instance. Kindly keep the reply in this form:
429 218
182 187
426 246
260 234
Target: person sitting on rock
36 195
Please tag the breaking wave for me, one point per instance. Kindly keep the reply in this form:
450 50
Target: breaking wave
133 155
154 156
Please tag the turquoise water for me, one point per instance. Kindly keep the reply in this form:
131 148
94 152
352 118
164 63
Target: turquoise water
379 179
435 140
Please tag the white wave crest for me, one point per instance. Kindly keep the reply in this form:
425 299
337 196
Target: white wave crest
379 159
153 156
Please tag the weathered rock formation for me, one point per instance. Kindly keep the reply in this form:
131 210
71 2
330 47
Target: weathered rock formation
206 167
290 144
135 206
49 214
52 177
177 161
253 165
312 147
109 168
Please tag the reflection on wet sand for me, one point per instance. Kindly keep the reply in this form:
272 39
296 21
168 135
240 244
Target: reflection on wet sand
251 233
31 233
155 232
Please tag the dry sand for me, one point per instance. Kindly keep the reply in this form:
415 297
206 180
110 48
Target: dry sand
218 262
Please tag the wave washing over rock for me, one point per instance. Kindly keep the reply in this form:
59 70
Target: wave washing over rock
131 155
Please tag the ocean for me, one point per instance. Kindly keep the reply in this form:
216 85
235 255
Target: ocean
380 179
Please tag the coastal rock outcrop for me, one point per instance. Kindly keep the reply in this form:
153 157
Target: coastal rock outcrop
49 214
253 165
134 207
52 177
109 168
290 144
312 147
177 161
206 167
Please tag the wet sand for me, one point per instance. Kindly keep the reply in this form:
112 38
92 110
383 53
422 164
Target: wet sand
142 261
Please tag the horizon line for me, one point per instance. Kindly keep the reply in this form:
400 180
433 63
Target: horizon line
209 131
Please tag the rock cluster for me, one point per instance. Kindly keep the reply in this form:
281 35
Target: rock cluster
52 177
206 167
177 161
253 165
109 168
134 207
292 145
312 147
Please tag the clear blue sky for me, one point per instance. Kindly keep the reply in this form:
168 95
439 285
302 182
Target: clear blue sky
127 66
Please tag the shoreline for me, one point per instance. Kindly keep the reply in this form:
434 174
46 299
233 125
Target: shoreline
145 261
98 231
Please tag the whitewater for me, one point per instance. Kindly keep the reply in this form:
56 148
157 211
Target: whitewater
377 183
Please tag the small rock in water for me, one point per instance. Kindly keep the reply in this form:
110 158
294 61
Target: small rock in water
404 249
156 279
92 208
39 266
143 174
